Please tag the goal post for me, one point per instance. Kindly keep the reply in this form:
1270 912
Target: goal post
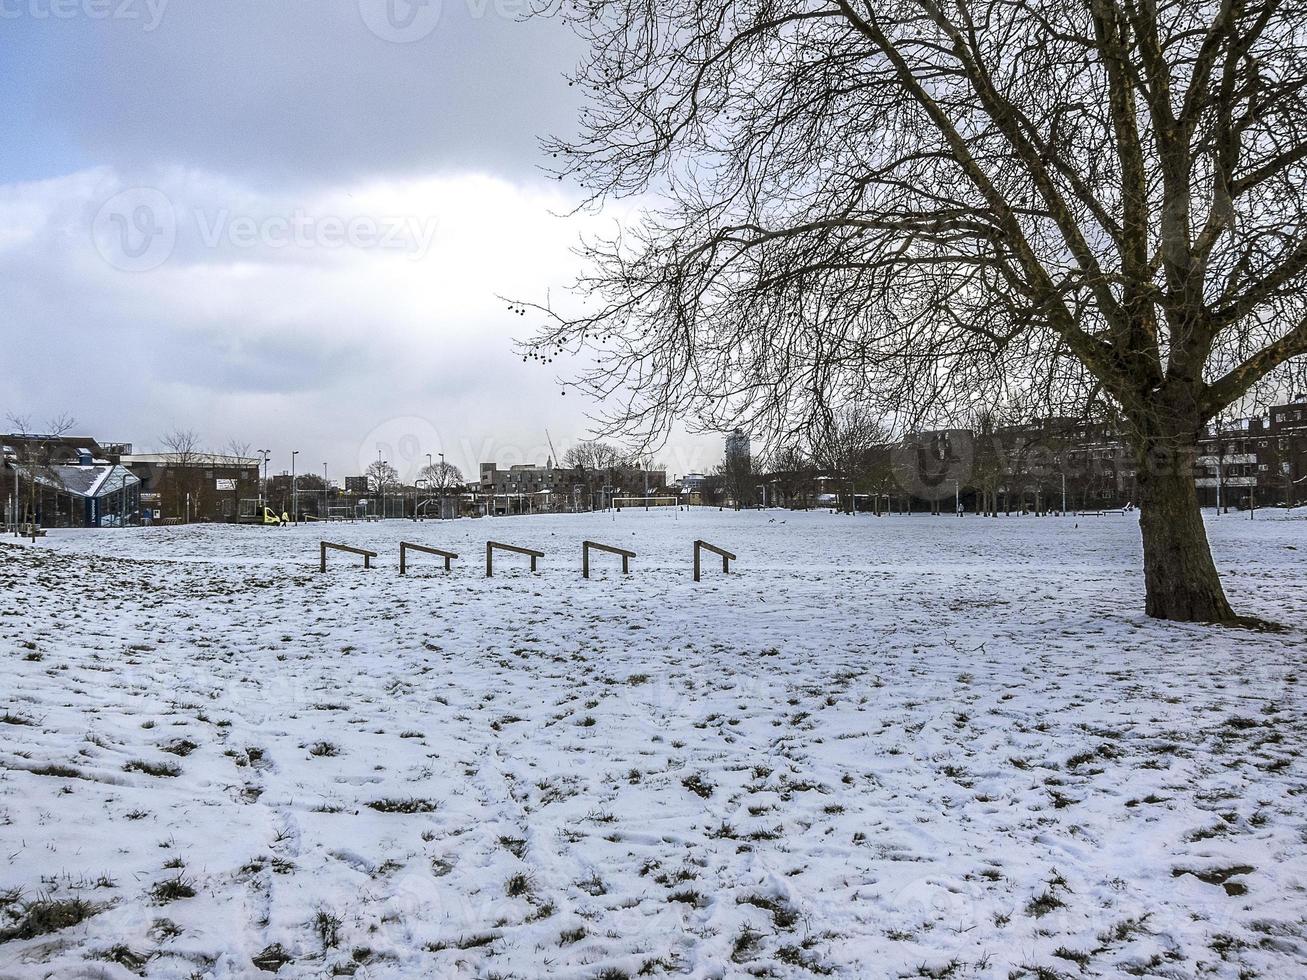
645 502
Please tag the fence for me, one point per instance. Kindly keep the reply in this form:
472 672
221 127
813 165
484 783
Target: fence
585 556
700 546
406 546
324 545
490 552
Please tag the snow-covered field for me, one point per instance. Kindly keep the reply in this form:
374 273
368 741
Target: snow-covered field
886 747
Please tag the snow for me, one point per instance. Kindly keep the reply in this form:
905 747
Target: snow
904 746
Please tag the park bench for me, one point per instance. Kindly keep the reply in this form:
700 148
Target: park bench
324 545
585 556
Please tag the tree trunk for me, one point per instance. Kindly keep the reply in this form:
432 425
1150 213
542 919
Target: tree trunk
1180 578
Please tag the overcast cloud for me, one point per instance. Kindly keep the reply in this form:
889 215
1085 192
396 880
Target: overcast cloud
286 222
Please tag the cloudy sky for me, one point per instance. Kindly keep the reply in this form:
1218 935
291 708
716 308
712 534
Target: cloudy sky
285 222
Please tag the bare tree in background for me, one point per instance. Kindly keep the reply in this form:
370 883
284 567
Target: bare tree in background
595 455
793 474
382 477
932 207
845 443
35 456
739 479
183 455
441 477
241 450
596 464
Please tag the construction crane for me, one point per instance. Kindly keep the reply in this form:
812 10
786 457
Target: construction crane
552 450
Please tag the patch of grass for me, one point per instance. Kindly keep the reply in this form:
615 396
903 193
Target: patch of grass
124 956
797 956
327 926
8 718
171 889
594 885
168 769
271 958
517 885
569 936
471 942
745 942
409 805
783 915
697 785
1042 905
61 772
687 896
182 747
161 930
323 749
45 915
515 846
1080 958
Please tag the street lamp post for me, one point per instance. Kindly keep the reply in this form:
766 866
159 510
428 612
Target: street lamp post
263 489
441 486
294 489
325 507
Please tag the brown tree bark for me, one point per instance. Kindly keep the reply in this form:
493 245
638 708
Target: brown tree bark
1180 578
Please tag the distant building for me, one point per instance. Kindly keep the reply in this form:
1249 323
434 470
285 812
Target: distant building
738 447
526 488
195 486
1255 462
65 481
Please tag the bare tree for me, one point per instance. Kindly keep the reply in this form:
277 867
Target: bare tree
739 479
182 455
927 205
241 450
600 456
844 442
34 459
793 474
382 477
441 477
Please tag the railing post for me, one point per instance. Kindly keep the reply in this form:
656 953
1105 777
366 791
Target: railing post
402 552
490 561
585 559
697 546
322 558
